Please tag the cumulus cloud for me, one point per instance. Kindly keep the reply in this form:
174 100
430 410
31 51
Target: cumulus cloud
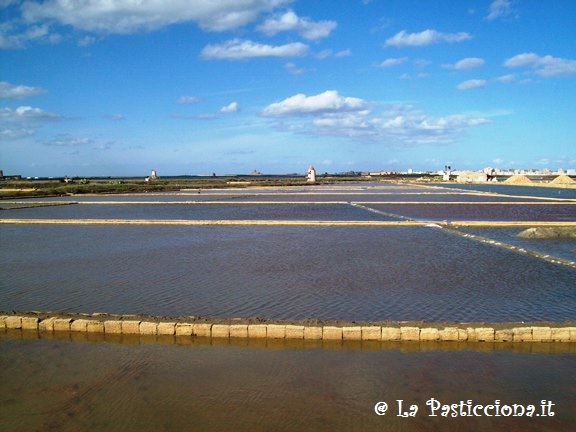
499 8
471 84
237 49
306 28
426 37
300 104
331 114
401 124
129 16
13 91
468 63
232 107
546 66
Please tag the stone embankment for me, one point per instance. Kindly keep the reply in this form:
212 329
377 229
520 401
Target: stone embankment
395 331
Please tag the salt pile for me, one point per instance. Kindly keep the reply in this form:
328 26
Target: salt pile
518 180
563 179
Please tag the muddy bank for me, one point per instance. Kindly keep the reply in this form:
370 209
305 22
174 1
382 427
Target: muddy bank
548 233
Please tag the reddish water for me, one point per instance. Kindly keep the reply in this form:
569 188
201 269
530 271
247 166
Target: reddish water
64 385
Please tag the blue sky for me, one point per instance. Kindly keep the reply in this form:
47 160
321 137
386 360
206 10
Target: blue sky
121 87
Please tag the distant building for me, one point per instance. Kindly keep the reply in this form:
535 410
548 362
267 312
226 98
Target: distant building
153 176
311 178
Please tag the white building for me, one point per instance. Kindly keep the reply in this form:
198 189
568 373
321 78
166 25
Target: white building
311 178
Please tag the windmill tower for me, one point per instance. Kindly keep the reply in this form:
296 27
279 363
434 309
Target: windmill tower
311 178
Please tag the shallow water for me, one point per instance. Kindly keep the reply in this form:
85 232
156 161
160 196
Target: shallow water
559 247
551 192
352 273
340 212
484 212
64 385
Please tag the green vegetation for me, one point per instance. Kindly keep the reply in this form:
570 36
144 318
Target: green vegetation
37 187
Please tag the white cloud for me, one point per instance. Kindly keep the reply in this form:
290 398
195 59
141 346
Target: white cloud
128 16
23 121
293 69
86 40
506 79
187 100
13 91
330 53
23 113
390 62
427 37
499 8
237 49
406 76
468 63
15 133
402 124
471 84
15 37
232 107
300 104
69 141
546 66
306 28
343 53
332 115
525 59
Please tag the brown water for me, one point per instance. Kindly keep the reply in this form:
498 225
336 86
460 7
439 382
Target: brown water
64 385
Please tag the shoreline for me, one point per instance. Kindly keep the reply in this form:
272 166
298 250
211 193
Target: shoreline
45 189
